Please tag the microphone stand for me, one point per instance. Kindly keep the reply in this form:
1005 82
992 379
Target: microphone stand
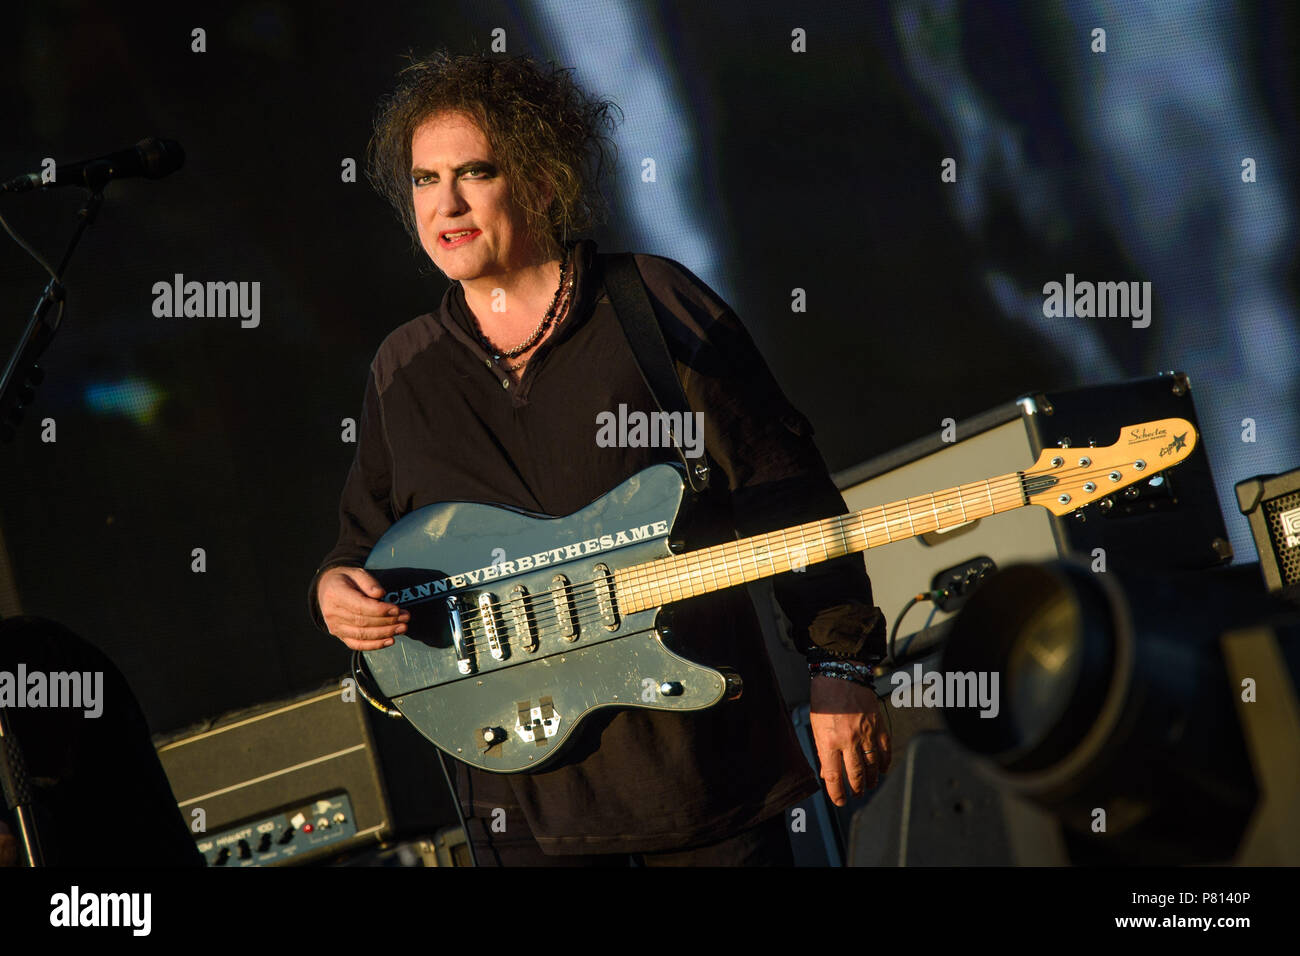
17 388
22 374
18 796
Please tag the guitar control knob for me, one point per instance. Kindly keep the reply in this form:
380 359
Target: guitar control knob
493 735
735 685
670 688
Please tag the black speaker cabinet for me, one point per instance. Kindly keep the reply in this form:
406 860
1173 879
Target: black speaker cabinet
1272 505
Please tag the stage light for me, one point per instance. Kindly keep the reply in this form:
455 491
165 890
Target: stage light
1115 698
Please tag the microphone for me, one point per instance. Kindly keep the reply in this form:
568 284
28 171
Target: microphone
152 158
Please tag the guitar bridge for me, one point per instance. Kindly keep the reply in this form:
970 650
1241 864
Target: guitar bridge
487 617
464 662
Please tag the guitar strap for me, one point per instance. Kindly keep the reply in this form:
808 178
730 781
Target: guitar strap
627 293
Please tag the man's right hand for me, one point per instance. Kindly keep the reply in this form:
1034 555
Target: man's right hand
349 603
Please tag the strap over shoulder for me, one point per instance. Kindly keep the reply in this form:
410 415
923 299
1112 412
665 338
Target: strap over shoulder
631 303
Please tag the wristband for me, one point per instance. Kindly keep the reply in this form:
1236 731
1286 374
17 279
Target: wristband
860 674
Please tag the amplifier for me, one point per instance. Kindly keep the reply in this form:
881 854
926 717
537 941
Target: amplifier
302 780
1171 521
1272 505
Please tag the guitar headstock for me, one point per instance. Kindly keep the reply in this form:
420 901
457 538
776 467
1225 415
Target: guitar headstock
1063 480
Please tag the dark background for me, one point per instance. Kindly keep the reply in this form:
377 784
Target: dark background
817 171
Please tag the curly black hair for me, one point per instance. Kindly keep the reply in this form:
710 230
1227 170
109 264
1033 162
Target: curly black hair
544 132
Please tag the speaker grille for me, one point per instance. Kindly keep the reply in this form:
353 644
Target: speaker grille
1283 515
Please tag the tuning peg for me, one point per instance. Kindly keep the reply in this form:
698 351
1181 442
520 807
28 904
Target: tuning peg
1080 515
1063 443
1106 504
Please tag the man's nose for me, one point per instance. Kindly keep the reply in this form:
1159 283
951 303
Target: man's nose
450 202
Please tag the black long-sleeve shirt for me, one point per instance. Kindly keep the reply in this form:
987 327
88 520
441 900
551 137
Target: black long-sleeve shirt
442 421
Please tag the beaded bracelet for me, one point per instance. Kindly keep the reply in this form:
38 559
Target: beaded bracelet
859 674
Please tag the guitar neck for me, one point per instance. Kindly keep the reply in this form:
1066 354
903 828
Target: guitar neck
726 565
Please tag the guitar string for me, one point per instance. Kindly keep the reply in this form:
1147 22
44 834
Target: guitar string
585 595
581 602
647 571
641 575
633 575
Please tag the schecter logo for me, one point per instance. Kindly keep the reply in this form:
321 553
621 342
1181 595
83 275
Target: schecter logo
1138 435
1179 442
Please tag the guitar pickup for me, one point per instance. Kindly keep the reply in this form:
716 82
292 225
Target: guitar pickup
464 662
563 608
487 617
604 583
523 623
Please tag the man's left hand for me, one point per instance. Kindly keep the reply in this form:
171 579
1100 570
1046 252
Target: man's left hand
852 743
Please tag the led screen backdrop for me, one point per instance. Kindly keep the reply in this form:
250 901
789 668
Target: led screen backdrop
882 191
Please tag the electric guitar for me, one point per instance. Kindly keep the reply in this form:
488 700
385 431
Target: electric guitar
523 624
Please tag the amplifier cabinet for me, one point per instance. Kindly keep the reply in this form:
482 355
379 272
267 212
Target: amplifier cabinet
288 782
1171 521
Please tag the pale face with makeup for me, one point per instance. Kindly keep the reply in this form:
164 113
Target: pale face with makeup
458 188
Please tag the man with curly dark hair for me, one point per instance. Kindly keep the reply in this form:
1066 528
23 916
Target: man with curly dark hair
549 139
491 164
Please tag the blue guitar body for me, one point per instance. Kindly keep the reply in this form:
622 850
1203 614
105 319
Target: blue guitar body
516 631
